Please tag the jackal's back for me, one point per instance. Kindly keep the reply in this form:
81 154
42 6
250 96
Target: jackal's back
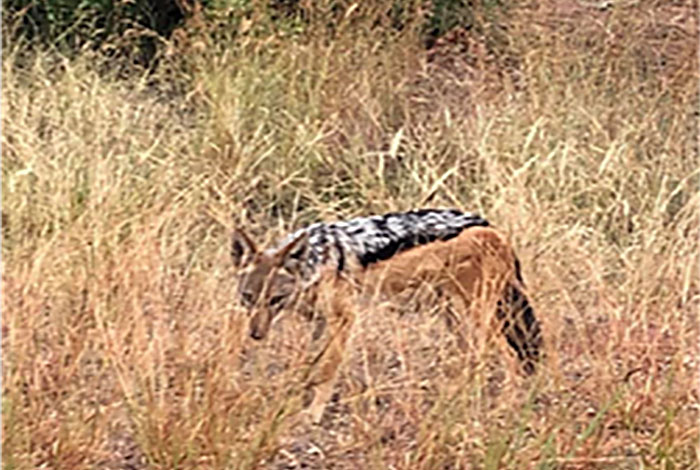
368 240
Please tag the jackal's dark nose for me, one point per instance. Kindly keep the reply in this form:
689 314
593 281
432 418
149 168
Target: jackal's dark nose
256 335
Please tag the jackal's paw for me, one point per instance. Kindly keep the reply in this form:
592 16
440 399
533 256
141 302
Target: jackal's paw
321 396
315 413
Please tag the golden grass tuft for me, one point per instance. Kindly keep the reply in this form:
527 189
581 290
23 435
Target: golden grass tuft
123 344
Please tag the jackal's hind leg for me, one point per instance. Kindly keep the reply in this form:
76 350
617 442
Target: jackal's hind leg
453 308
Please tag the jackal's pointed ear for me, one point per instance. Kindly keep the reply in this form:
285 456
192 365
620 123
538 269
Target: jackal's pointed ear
291 253
242 248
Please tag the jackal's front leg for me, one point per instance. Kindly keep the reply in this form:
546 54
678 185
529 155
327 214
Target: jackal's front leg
340 316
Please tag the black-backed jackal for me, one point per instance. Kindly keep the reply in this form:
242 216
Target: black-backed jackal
330 268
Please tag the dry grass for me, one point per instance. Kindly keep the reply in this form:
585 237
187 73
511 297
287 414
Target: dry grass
123 346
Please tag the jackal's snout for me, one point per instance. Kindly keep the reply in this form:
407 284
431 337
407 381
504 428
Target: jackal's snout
259 325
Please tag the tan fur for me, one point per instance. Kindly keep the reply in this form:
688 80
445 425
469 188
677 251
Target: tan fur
472 269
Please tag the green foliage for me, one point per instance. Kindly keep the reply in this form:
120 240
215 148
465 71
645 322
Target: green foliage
70 25
447 15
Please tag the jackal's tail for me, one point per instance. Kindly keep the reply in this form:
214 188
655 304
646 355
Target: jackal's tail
519 324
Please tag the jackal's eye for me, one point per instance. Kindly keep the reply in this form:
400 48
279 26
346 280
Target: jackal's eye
247 298
276 299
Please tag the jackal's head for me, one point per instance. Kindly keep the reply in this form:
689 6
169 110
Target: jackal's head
268 280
